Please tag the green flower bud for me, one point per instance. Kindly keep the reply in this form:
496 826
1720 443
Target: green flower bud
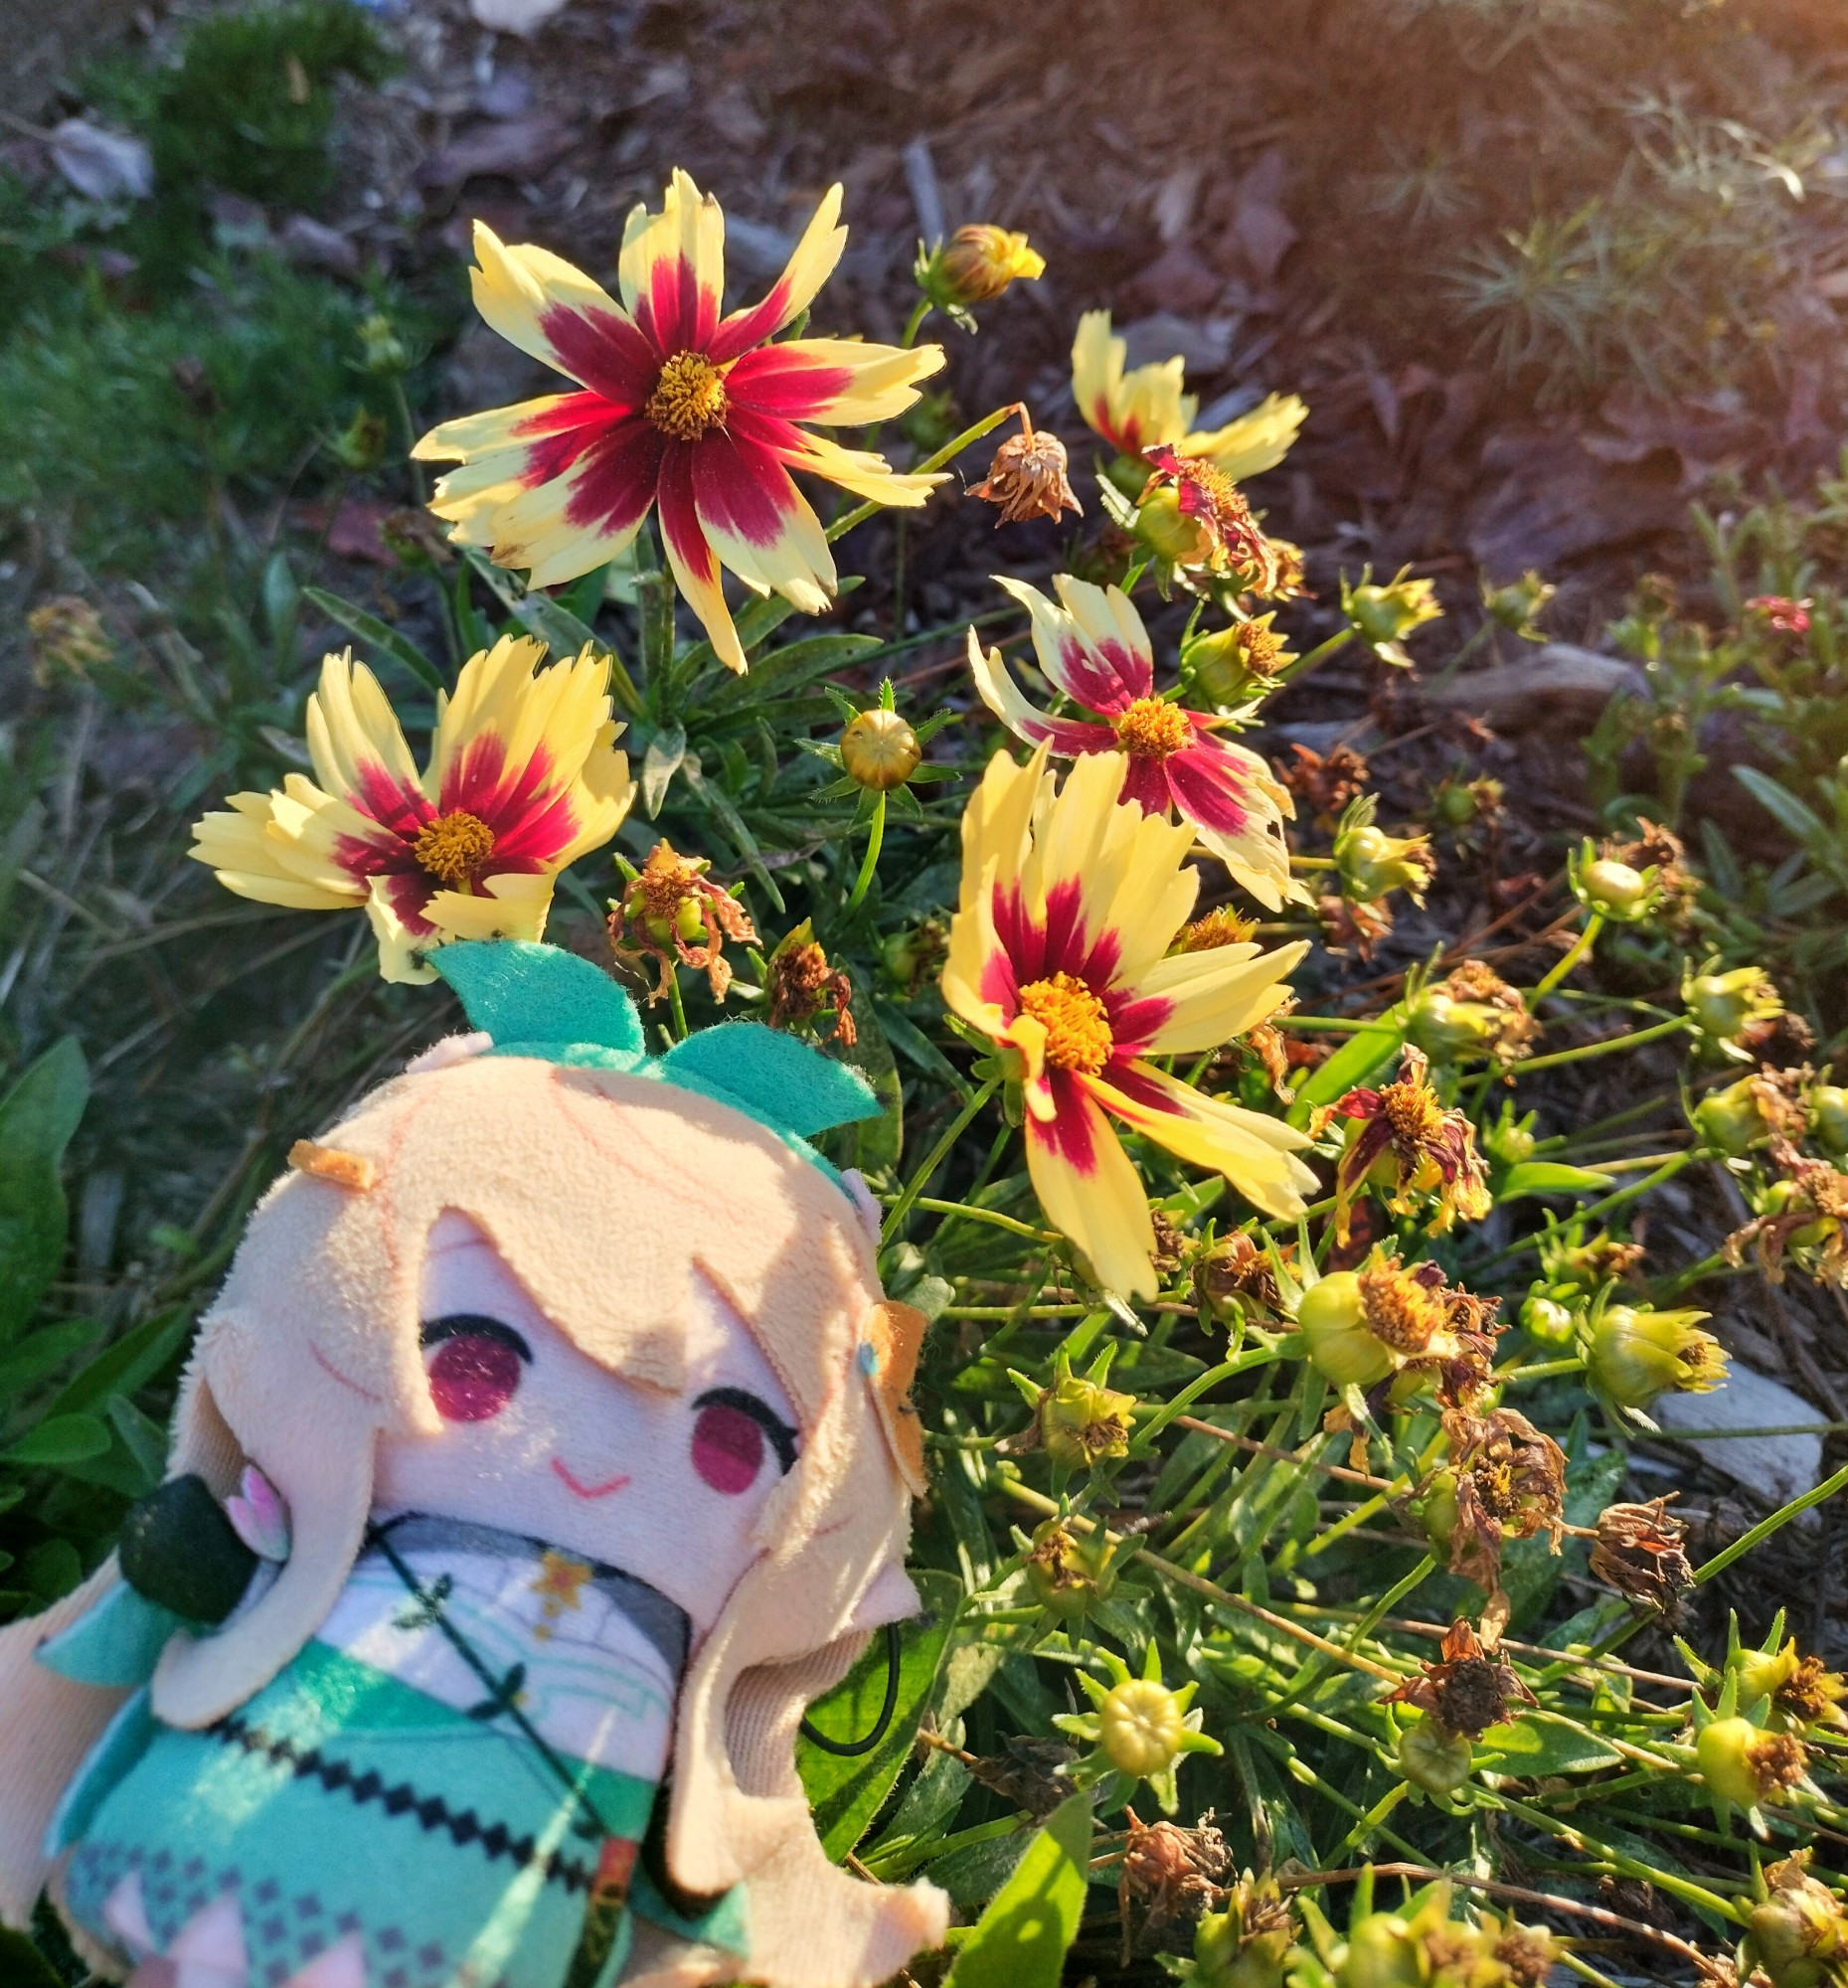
382 351
1437 1512
1799 1936
1516 603
1746 1765
1730 1121
1615 887
1370 863
1433 1759
360 445
1141 1727
1231 666
1069 1572
1724 1006
1080 1423
1548 1321
1449 1031
1242 1949
1381 617
1169 533
1763 1672
1828 1119
1635 1353
1341 1347
977 264
879 749
1382 1951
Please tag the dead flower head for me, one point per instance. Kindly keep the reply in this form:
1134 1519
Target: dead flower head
1027 479
803 988
672 912
1237 1276
1195 515
68 638
1638 1552
1170 1873
1510 1485
1035 1773
1805 1219
1430 1149
1467 1690
1351 927
1324 783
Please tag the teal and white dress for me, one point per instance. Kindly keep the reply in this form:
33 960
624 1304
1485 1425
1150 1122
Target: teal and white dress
457 1773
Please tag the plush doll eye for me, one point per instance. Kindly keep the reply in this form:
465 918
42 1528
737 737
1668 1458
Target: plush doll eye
475 1370
730 1431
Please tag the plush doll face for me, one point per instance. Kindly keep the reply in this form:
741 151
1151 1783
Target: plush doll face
538 1439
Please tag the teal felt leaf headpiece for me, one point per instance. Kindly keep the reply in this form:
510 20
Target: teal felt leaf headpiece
539 1001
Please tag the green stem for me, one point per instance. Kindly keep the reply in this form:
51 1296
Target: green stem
915 324
870 863
937 1155
1596 1211
1580 947
1608 1046
1766 1526
677 1004
954 1210
951 449
1317 656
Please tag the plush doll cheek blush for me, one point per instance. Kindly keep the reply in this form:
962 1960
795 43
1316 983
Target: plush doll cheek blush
546 1451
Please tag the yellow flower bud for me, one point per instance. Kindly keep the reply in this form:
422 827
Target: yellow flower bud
879 749
1081 1424
977 263
1382 1951
1370 863
1141 1725
1340 1345
1635 1353
1746 1765
1726 1007
1615 887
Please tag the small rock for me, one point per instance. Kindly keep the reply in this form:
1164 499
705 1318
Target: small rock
102 165
311 245
514 17
1773 1468
1555 687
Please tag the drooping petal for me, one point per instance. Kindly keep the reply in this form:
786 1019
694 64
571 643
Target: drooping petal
793 291
840 381
1255 441
758 523
1106 680
998 692
1090 1190
694 564
394 910
556 313
1237 820
358 747
1257 1154
1216 995
241 853
671 271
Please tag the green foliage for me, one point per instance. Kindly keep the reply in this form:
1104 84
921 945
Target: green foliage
1022 1939
37 1119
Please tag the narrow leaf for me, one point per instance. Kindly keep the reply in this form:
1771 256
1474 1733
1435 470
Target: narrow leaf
37 1118
1022 1939
369 628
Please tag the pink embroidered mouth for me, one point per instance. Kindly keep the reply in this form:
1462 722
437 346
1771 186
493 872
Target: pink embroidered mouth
578 1490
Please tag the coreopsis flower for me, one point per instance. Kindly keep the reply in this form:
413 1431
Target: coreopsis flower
1779 611
1068 901
1139 1729
679 409
523 778
975 265
1510 1483
1798 1934
1805 1219
1383 615
1362 1325
675 915
1137 410
1640 1551
1093 647
1231 667
804 988
1633 1353
1248 1944
880 749
1744 1763
1468 1688
67 638
1027 479
1193 515
1238 1276
1429 1147
1767 1104
1732 1011
1079 1421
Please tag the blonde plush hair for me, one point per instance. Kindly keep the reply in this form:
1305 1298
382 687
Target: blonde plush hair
605 1193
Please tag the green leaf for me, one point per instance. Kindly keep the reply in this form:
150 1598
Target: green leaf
131 1364
44 1352
666 753
59 1439
1022 1939
369 628
1549 1177
22 1965
37 1118
1530 1746
1367 1050
847 1791
1789 812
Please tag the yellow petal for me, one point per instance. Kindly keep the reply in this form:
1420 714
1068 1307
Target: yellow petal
1257 1154
515 286
1255 441
514 907
401 955
354 738
689 232
880 384
1217 995
865 474
1103 1210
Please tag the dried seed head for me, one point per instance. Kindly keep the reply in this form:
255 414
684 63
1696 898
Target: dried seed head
1028 479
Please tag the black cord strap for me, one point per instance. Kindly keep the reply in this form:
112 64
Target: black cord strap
849 1750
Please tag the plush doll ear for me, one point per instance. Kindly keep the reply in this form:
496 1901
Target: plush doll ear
527 994
892 1339
779 1078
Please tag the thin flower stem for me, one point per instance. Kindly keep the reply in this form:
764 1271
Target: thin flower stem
870 863
1595 1212
1630 1867
954 1210
915 324
1766 1527
677 1004
1557 972
1316 656
951 449
938 1154
1607 1047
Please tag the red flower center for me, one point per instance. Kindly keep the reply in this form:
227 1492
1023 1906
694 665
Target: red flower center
688 397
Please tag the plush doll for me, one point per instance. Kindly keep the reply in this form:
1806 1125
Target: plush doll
546 1452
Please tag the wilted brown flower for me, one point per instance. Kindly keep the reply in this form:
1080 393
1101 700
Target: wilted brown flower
1527 1952
1639 1550
1027 479
1220 927
1510 1484
1198 517
803 987
1431 1148
1035 1773
1469 1690
1169 1872
1351 927
673 911
1324 783
1807 1211
1235 1272
68 638
1812 1695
